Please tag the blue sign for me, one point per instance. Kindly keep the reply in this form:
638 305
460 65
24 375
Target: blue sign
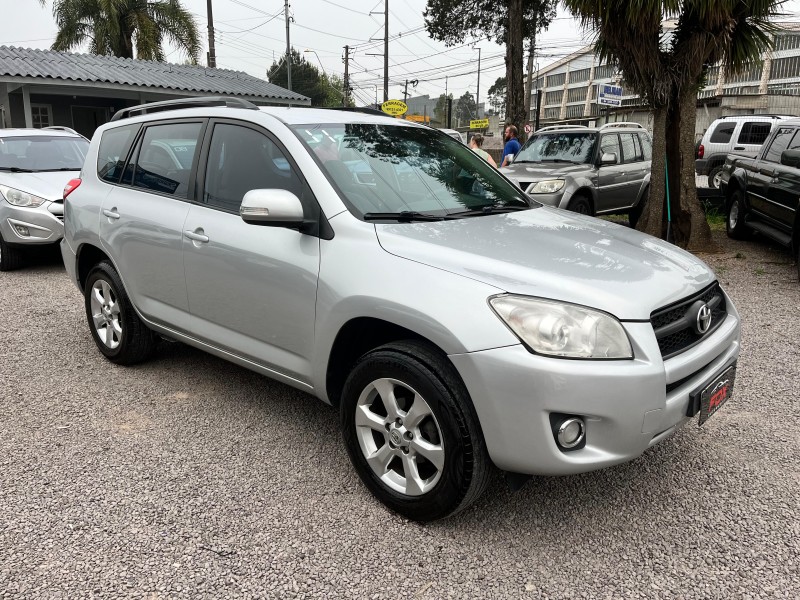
609 95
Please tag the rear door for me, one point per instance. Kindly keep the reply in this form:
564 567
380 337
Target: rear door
636 167
751 137
765 170
252 289
784 191
614 185
142 219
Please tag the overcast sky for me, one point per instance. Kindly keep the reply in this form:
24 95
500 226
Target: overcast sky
250 34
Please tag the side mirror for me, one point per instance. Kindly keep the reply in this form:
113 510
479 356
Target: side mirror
790 158
608 158
279 208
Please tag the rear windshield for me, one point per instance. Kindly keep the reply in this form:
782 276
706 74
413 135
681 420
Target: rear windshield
42 153
574 147
722 133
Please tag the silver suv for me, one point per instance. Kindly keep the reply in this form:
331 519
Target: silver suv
593 171
35 165
390 271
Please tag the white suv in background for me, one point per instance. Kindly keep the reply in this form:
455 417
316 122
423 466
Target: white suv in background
740 134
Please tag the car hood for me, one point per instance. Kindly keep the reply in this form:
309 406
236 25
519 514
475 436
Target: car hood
556 254
529 172
46 184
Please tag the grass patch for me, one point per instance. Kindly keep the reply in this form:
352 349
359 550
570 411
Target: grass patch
716 219
739 255
759 271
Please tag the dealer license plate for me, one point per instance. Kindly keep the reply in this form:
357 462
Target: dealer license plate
715 394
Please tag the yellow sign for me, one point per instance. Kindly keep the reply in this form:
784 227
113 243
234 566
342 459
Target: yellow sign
394 107
418 118
479 124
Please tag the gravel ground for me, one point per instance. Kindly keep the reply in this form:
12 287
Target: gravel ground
188 477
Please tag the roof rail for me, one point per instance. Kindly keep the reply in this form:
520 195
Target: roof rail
769 116
62 128
621 124
361 109
183 103
555 127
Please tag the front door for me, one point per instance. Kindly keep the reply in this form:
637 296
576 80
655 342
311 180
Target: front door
784 191
142 220
252 288
765 173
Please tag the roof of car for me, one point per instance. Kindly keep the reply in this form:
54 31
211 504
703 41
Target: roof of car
300 116
28 132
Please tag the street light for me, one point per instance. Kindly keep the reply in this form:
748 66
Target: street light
306 51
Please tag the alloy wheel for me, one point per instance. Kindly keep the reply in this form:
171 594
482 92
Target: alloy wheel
399 437
106 314
733 215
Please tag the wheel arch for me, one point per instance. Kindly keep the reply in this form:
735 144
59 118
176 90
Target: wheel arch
87 257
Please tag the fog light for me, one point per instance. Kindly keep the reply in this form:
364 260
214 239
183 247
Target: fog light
22 230
570 432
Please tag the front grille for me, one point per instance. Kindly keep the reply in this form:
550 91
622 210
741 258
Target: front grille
674 324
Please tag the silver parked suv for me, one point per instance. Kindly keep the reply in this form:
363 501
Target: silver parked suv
34 166
593 171
388 270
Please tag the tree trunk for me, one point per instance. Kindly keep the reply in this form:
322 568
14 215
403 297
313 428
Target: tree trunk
515 109
652 219
677 226
127 45
699 233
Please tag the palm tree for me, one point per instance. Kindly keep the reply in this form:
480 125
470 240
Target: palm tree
666 68
118 27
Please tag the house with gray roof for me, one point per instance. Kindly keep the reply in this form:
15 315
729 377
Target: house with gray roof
39 88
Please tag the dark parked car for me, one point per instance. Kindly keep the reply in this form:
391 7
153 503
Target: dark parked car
763 193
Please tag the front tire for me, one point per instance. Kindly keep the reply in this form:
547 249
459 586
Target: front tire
412 433
734 220
116 328
10 257
580 204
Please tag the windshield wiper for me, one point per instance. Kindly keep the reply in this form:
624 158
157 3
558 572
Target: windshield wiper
16 170
403 215
60 169
490 209
559 160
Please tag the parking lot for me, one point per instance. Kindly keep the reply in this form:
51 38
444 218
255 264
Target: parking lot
188 477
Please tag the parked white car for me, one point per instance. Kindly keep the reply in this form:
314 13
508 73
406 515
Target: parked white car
35 165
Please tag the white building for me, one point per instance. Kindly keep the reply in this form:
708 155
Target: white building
771 86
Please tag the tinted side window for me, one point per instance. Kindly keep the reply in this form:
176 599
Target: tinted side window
241 159
161 164
631 151
609 144
647 147
754 133
114 146
779 143
723 133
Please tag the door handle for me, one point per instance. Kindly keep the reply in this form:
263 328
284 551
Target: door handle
739 148
111 214
197 235
768 172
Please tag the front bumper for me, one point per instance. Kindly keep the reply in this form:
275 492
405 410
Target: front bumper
627 406
44 224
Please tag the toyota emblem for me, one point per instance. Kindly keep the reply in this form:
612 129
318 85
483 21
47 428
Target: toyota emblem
703 321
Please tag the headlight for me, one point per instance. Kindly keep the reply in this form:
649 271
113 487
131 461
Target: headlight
548 186
565 330
20 198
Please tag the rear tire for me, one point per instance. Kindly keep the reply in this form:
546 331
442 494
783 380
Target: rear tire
412 433
580 204
734 220
636 212
117 330
714 177
10 257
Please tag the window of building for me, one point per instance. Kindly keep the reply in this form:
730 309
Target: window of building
554 97
241 159
579 75
576 94
779 143
164 158
604 71
723 132
754 133
42 115
553 80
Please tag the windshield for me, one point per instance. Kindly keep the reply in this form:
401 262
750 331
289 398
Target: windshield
42 153
396 168
575 147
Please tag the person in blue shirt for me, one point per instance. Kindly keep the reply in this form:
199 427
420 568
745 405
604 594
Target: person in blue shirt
511 149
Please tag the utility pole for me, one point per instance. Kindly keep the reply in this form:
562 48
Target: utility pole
346 97
212 55
385 50
478 91
405 89
446 103
288 47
